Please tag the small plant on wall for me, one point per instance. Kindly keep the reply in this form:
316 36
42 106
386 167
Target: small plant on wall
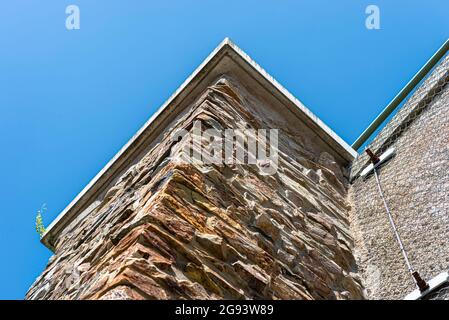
40 229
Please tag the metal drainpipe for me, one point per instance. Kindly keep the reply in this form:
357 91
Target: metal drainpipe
401 95
393 225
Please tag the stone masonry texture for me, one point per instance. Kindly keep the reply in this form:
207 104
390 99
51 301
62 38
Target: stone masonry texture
171 230
166 229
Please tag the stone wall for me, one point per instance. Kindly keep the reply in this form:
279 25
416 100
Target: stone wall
416 186
165 229
170 230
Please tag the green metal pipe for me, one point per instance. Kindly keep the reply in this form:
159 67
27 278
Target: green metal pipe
401 95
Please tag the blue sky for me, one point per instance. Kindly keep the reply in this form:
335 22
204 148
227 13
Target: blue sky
69 100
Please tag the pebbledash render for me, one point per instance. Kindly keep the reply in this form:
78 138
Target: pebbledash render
149 226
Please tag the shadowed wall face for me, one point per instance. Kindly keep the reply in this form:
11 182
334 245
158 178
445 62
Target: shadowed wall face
170 230
416 186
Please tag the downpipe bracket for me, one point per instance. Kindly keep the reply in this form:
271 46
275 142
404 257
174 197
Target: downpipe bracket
376 161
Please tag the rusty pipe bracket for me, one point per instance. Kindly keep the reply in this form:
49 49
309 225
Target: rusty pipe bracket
376 161
373 157
420 282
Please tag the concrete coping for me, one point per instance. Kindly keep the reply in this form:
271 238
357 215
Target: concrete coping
225 48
